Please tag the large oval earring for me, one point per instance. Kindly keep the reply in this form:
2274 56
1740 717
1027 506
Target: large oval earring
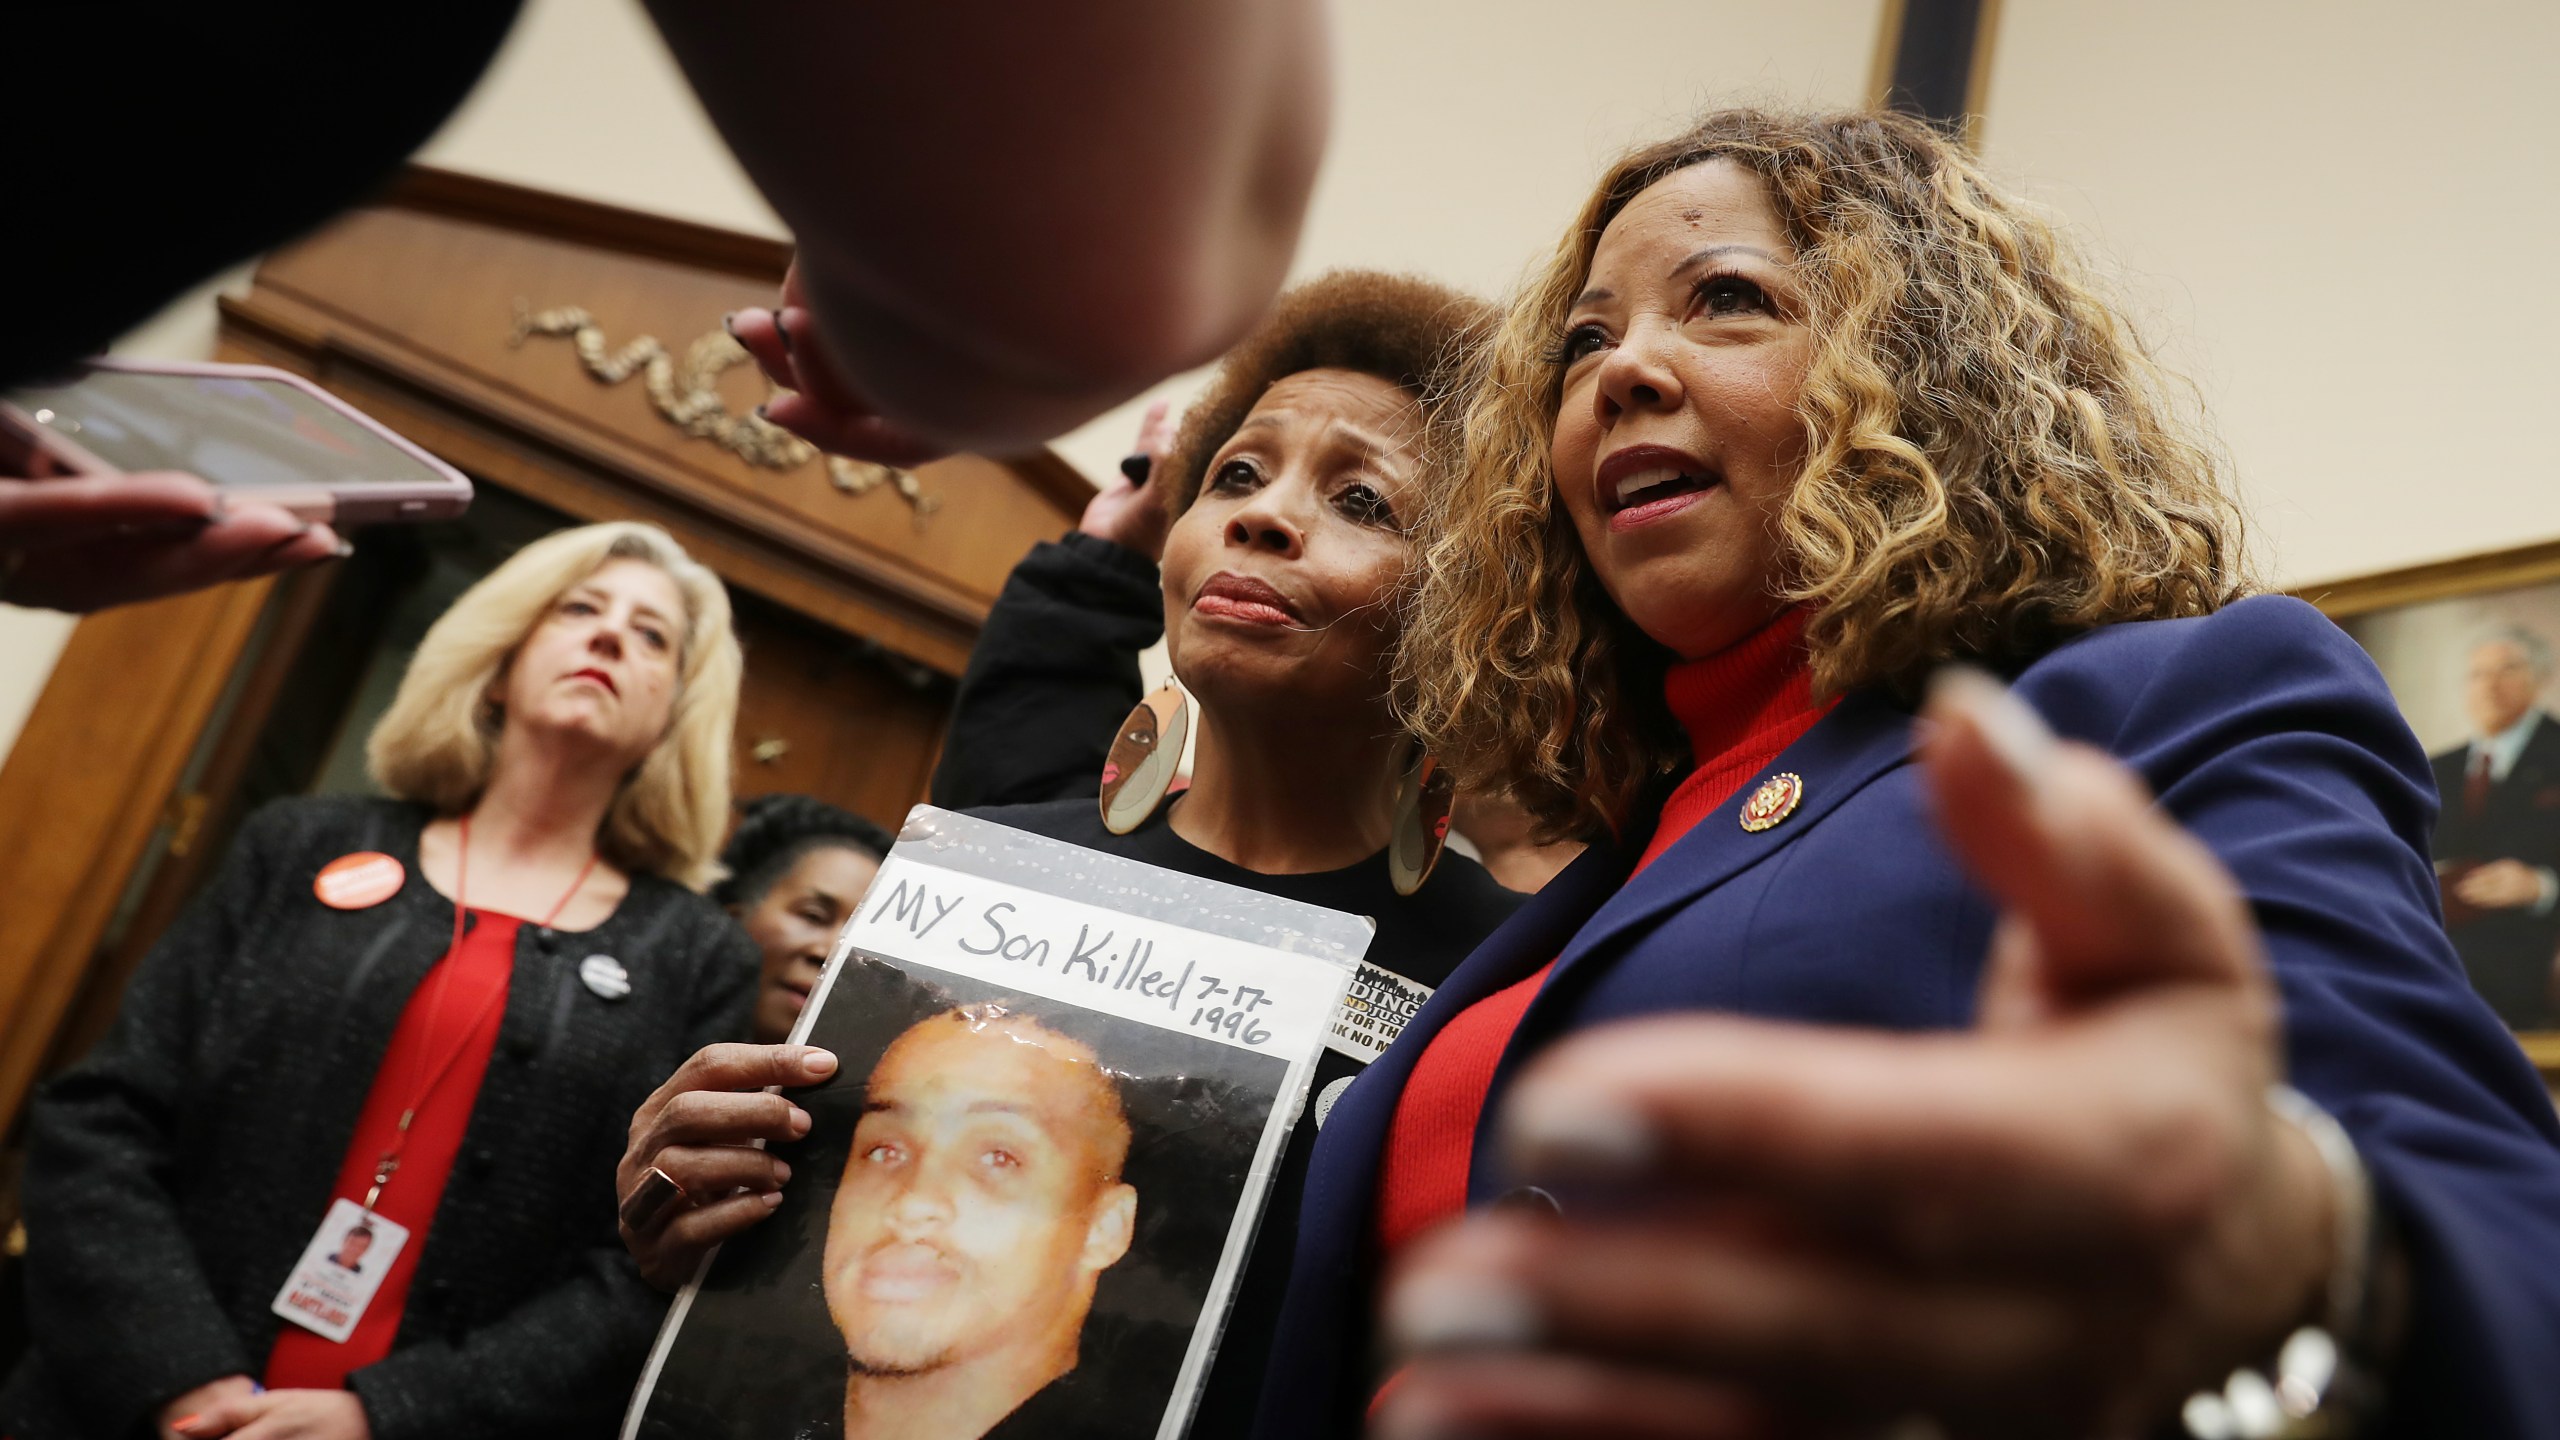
1144 755
1423 797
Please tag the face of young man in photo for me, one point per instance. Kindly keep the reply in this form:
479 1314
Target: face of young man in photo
982 1198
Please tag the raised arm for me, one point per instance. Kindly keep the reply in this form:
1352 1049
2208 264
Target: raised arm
1012 217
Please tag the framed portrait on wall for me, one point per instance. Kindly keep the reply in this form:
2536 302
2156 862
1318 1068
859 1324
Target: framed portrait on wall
2471 650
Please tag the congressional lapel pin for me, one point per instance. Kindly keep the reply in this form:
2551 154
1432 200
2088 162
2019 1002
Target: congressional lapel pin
1774 801
359 881
604 975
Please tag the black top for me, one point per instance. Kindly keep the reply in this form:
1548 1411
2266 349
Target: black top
1054 672
174 1176
1421 938
162 143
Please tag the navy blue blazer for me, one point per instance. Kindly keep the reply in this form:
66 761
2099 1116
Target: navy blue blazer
2264 731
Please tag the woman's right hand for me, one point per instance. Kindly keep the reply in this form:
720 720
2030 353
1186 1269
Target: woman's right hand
85 542
700 1130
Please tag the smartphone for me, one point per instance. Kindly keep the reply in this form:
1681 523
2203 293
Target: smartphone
250 430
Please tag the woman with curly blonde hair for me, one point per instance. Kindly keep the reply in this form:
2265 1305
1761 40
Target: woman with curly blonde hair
1895 1065
421 1020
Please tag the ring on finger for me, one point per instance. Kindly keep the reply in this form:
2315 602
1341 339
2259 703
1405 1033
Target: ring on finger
651 1200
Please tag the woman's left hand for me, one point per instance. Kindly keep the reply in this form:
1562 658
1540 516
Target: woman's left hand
2061 1223
282 1415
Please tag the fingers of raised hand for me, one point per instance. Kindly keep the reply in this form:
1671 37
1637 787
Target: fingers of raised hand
2114 894
758 332
1943 1151
78 508
1809 1328
1477 1396
815 403
1155 430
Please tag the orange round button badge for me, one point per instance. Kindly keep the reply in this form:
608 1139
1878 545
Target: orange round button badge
355 882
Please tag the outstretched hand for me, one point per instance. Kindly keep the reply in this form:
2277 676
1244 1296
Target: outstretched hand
820 406
82 543
2059 1223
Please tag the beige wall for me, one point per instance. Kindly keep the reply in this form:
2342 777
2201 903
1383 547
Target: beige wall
2339 216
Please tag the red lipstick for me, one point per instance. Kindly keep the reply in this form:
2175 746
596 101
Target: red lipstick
1229 596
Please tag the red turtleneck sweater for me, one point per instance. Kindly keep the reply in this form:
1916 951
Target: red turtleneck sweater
1741 706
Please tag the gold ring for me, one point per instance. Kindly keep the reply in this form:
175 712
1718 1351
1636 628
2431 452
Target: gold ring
650 1201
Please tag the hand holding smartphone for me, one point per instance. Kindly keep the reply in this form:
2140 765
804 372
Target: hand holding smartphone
135 481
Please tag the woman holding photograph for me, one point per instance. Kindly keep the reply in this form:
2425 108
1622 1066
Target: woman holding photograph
422 1018
1879 1076
1291 489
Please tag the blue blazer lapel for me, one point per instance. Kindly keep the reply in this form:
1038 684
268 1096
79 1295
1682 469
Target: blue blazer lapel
1864 737
1314 1366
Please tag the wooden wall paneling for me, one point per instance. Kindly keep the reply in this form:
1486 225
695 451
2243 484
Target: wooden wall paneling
203 811
548 213
819 716
86 787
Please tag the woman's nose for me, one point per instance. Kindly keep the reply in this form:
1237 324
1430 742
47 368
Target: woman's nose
1636 374
1263 523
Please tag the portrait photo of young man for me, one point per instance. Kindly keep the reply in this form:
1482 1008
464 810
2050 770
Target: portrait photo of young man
982 1200
1006 1222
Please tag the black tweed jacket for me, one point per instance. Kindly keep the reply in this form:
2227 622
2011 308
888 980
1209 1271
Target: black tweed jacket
174 1176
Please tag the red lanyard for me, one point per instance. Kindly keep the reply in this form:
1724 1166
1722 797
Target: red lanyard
420 1089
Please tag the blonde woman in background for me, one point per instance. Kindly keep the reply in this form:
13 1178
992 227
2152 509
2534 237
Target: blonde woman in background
426 1017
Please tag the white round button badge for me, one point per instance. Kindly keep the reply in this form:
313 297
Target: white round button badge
605 976
1326 1097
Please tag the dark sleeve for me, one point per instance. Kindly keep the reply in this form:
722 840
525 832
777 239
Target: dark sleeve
118 1305
565 1361
1054 673
2273 738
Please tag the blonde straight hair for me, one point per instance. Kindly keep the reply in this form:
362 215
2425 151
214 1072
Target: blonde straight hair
436 743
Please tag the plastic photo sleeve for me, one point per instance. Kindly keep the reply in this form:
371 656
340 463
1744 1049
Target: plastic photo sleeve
1065 1083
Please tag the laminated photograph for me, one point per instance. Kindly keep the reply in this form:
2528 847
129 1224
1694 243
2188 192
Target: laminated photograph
1065 1080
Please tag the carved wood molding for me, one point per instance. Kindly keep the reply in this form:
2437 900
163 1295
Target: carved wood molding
683 395
428 190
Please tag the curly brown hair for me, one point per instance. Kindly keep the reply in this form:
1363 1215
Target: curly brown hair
1995 462
1405 330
